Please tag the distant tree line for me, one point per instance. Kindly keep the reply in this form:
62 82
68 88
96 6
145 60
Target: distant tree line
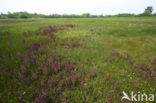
148 12
21 15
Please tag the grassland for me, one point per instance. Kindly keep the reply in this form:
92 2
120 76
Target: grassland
76 60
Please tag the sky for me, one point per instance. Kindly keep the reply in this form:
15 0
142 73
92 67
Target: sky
98 7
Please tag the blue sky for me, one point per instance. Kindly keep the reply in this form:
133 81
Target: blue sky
76 6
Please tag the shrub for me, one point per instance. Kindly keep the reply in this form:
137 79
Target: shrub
23 16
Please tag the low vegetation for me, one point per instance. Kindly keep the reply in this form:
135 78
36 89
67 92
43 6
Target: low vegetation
76 60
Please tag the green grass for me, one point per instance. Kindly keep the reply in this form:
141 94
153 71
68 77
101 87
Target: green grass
98 38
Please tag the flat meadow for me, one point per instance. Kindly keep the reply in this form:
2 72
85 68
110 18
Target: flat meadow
76 60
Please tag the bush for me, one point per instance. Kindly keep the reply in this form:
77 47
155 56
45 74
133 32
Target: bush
23 16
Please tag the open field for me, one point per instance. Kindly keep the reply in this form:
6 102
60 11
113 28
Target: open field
76 60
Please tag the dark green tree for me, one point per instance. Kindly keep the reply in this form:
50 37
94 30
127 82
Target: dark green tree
148 10
10 15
